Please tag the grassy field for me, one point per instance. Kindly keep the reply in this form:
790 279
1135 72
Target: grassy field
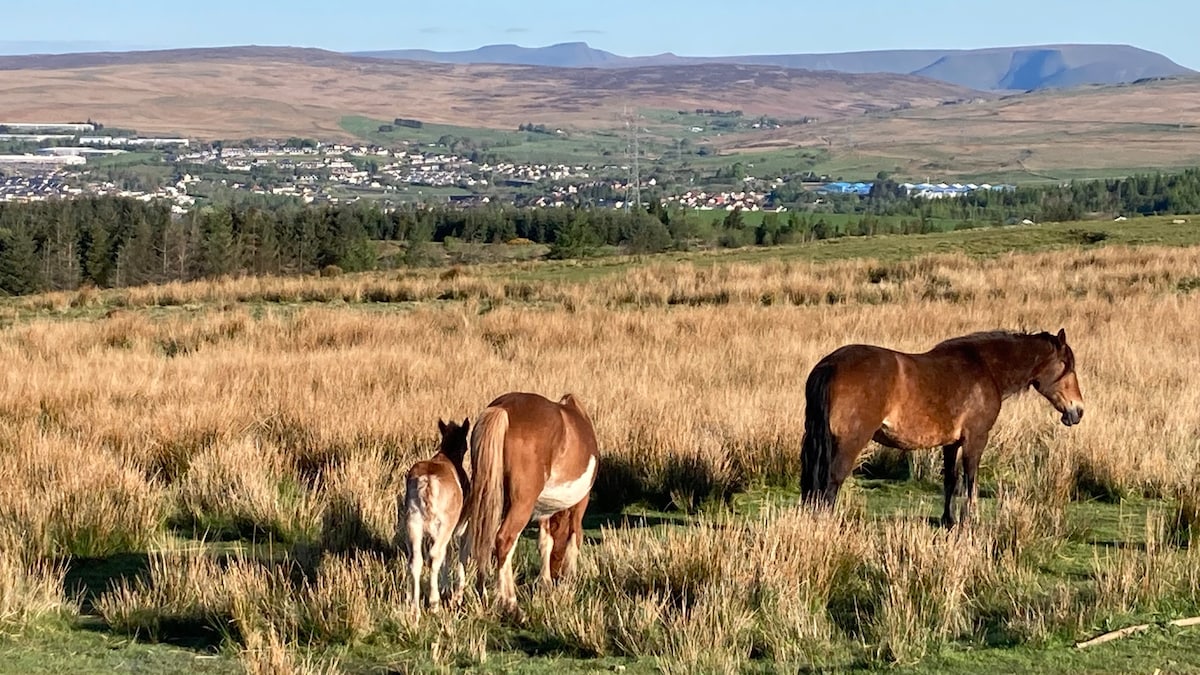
577 147
203 476
125 159
834 220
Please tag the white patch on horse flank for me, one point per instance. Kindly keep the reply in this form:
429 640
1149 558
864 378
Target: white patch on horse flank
558 496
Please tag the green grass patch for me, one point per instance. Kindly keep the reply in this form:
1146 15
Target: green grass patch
982 242
87 647
125 159
569 147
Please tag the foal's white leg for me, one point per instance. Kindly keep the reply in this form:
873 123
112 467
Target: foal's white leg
460 568
545 546
416 553
437 554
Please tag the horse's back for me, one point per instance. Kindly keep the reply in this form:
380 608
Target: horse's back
557 437
854 367
852 385
906 400
535 420
432 488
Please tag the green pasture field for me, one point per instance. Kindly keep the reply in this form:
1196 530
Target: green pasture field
515 146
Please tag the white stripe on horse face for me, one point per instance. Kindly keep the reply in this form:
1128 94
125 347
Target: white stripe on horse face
557 497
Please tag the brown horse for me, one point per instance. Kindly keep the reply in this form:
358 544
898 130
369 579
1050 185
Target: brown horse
435 490
948 396
530 458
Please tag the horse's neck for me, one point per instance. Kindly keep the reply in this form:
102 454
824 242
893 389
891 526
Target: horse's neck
460 473
1014 361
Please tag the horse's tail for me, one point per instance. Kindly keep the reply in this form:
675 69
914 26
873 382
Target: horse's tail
486 500
816 451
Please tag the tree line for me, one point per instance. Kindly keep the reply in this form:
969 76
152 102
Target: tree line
1142 194
113 241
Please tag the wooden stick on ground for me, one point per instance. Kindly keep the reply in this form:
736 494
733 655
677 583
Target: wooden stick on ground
1131 630
1113 635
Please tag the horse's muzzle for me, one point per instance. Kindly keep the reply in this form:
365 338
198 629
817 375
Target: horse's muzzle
1072 415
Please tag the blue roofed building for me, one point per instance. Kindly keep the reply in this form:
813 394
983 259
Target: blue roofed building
844 188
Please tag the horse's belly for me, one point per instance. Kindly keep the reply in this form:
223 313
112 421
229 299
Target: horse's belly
563 494
913 436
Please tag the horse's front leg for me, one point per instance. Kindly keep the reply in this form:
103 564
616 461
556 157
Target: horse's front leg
949 481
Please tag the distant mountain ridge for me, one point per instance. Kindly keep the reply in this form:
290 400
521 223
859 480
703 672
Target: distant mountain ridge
994 69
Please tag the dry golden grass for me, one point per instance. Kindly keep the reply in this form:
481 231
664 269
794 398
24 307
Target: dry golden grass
268 654
229 418
30 587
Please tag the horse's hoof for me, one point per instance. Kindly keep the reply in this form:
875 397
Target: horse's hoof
510 609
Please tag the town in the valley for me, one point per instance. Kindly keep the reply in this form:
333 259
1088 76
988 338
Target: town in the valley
58 160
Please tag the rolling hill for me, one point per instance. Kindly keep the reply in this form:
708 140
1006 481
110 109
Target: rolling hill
247 91
1002 68
858 123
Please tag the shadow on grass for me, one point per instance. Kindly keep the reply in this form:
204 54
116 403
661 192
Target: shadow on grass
198 635
544 644
686 483
90 578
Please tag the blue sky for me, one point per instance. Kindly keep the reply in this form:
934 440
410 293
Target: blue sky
694 28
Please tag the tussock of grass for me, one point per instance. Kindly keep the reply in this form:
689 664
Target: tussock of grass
244 490
31 589
64 503
269 654
1185 526
360 495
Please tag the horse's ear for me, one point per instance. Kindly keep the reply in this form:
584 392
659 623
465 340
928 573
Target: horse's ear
1062 336
441 425
466 423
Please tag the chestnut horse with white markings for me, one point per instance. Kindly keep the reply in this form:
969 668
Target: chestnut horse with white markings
948 396
530 458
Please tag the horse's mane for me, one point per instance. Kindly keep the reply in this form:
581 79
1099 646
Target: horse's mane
991 336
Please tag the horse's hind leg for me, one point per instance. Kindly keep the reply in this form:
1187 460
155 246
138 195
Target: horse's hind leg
545 548
567 529
437 554
845 453
416 553
949 481
519 512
